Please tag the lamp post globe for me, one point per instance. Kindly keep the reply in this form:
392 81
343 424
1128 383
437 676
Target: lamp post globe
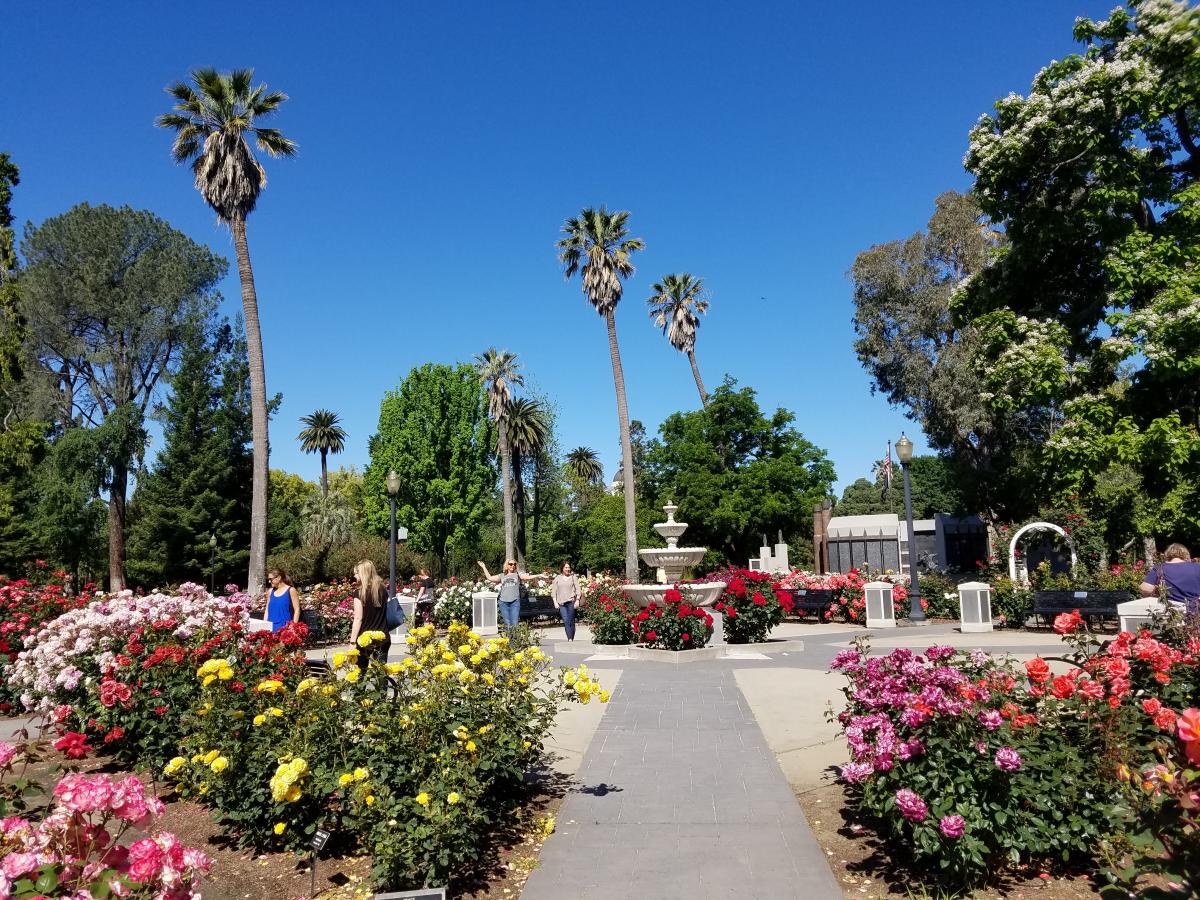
393 488
904 449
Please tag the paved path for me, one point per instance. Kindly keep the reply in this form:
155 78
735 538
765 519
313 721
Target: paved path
679 797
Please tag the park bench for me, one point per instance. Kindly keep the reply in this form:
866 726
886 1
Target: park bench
1091 604
537 608
814 600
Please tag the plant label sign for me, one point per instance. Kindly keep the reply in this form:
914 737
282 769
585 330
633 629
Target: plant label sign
1079 595
319 839
422 894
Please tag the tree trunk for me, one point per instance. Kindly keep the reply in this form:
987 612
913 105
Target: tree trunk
1150 549
258 413
519 509
506 482
116 526
324 473
631 554
696 375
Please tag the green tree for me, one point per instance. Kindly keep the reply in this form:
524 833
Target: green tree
327 521
322 434
109 295
766 480
196 488
348 481
528 433
289 493
70 518
435 433
597 244
861 498
1088 323
592 537
214 119
676 304
933 486
499 372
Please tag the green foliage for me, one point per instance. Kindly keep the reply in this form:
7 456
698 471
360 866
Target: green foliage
594 536
288 494
737 474
750 607
196 488
932 482
610 618
434 432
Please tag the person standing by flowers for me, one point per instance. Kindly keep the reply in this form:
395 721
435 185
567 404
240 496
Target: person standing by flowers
370 615
425 598
565 593
282 601
510 590
1181 577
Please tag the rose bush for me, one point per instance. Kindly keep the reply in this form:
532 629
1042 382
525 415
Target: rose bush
752 606
76 850
453 603
413 759
974 763
25 606
334 604
675 625
611 620
849 596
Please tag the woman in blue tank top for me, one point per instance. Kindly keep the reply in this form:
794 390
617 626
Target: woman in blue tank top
283 601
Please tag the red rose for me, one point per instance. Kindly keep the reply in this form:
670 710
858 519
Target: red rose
758 599
731 612
686 636
1067 623
651 635
1151 705
1038 670
1165 719
74 745
1063 687
160 710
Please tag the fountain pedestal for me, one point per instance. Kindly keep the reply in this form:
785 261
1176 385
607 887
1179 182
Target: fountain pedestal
671 561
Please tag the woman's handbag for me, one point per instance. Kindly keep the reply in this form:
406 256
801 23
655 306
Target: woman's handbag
395 613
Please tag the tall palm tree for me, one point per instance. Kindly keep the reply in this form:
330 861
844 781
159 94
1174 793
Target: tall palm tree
499 371
327 521
528 432
676 304
215 119
598 243
584 464
322 434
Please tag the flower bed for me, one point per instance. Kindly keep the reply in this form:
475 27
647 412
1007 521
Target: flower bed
675 625
334 604
752 606
849 595
974 763
453 603
24 608
611 620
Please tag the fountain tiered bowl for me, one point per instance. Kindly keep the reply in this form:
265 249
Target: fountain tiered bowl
670 561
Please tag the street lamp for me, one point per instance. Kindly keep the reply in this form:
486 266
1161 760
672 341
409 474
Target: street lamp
393 488
904 449
212 563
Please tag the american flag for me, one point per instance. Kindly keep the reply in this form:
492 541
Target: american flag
885 469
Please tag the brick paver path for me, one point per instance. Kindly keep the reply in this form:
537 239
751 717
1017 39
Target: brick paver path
679 797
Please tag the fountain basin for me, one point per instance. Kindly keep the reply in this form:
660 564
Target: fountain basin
673 559
703 594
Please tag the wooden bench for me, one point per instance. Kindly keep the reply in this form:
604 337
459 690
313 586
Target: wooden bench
814 600
1091 604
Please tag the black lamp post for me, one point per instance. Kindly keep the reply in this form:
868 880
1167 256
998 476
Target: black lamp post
904 449
212 563
393 488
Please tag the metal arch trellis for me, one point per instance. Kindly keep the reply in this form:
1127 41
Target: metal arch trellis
1037 526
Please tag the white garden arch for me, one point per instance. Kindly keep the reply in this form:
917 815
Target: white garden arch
1036 526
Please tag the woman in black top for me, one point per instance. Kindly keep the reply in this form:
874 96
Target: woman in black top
424 596
370 614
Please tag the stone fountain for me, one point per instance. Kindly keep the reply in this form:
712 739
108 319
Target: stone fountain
670 561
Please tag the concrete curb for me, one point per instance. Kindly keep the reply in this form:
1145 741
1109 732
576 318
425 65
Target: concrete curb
703 654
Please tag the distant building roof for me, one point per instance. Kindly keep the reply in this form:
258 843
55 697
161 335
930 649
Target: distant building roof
884 525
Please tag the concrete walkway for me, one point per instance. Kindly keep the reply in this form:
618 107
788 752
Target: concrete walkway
680 797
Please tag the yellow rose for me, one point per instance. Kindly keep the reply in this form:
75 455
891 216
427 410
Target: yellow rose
225 673
280 827
306 685
369 799
210 756
364 640
220 764
360 773
526 744
209 679
275 711
423 798
176 763
471 748
344 780
488 678
259 720
339 660
453 797
604 696
396 668
353 675
202 787
293 794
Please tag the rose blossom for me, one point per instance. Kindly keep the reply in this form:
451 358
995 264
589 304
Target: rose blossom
991 719
911 806
1008 759
953 826
7 753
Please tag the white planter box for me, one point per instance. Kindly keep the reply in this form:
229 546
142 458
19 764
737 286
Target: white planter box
484 612
881 612
974 607
1135 614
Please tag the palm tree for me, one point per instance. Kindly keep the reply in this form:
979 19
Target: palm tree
214 120
498 369
322 434
598 242
676 305
584 464
528 431
326 521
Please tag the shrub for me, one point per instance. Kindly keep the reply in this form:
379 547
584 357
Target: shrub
414 758
76 851
676 625
751 607
1012 602
591 590
453 604
24 608
849 597
611 620
334 605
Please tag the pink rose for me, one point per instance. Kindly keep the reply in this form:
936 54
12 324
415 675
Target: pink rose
953 826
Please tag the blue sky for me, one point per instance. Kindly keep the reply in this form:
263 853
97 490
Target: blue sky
760 145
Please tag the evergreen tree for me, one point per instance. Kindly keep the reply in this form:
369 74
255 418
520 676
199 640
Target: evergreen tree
197 487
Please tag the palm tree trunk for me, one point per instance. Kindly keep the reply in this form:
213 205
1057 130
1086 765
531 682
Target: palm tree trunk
258 413
537 493
631 554
324 474
519 509
116 526
696 375
506 482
